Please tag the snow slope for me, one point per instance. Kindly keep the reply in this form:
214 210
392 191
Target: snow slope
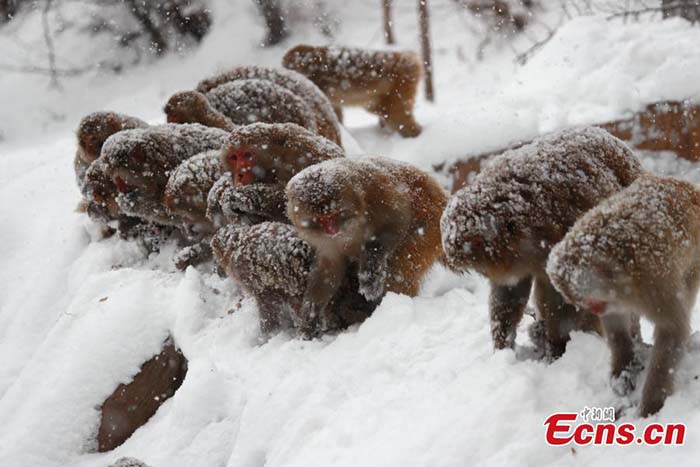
416 384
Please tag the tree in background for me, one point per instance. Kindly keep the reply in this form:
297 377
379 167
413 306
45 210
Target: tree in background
688 9
272 13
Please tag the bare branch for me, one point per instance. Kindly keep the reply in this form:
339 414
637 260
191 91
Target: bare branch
49 44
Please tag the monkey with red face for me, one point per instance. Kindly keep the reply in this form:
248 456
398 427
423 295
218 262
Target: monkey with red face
504 224
258 161
637 253
380 215
140 162
93 131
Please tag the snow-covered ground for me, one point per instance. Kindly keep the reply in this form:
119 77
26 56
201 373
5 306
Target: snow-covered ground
416 384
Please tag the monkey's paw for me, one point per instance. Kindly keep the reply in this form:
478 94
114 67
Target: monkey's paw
623 384
371 286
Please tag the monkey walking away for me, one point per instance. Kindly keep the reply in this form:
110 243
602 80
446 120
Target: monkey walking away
272 264
241 102
385 83
258 161
378 214
326 120
505 223
638 252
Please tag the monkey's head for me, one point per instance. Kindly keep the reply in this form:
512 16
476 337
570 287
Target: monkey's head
589 277
302 58
327 210
187 107
482 232
189 185
93 131
139 163
272 153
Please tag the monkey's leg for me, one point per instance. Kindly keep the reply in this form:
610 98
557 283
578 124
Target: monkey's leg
193 255
324 279
559 317
617 328
373 264
506 306
338 113
669 345
398 109
274 313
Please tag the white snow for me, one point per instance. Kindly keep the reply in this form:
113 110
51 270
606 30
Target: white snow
417 384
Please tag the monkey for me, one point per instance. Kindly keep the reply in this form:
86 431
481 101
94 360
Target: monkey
272 263
188 186
637 253
383 82
504 224
140 162
92 132
326 120
260 159
240 102
375 213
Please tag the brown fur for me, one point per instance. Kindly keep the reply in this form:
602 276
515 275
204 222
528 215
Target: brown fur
384 83
326 120
504 224
93 131
638 252
387 219
272 264
194 107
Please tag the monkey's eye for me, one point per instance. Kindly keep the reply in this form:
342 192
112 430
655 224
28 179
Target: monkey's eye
511 227
232 157
247 155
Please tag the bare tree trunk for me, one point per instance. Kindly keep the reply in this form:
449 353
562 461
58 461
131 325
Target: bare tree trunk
425 47
274 20
388 31
687 9
142 13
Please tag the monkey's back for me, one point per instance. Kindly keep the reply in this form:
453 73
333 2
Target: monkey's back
297 83
546 185
329 66
649 232
163 147
248 101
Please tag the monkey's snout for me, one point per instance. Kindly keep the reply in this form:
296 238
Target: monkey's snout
597 307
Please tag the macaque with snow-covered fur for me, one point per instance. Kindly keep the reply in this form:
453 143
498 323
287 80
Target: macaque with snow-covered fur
261 158
272 264
140 162
241 102
383 82
325 118
504 224
638 252
378 214
92 132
